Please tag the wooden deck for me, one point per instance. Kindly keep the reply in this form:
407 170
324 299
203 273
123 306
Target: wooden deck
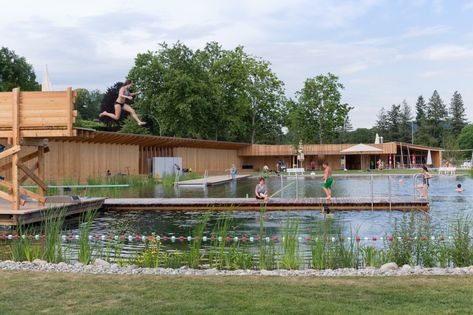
31 212
211 180
275 204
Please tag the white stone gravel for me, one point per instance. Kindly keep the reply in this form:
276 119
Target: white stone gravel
104 267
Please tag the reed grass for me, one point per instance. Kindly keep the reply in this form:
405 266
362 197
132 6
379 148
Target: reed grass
461 250
291 258
85 225
195 251
267 253
24 248
53 224
218 242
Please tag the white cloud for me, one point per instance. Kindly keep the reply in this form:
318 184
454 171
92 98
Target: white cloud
353 68
468 6
92 44
448 52
431 74
426 31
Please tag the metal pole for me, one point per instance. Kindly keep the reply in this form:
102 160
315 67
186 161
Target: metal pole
297 186
280 175
389 184
372 193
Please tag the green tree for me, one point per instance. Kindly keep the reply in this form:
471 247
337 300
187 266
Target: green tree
465 139
382 125
436 118
88 103
405 124
457 114
420 110
210 93
266 97
319 112
175 89
15 71
361 135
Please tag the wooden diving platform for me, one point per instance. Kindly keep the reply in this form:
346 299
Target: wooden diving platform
32 212
275 204
211 180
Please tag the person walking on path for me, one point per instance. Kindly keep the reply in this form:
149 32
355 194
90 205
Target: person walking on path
327 181
261 191
123 95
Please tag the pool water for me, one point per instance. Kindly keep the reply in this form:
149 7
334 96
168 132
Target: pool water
446 206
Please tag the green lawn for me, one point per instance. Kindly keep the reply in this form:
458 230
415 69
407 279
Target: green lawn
57 293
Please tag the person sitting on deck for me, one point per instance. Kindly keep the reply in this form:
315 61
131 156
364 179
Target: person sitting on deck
459 188
261 191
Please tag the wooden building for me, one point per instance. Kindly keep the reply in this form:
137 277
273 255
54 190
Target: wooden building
89 153
84 153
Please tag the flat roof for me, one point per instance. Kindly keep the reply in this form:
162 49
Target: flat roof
245 149
95 136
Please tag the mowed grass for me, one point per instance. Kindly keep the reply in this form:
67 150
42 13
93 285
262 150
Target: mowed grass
58 293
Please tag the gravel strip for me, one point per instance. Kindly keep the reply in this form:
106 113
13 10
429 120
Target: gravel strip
103 267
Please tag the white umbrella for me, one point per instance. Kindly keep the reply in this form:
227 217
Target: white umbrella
429 158
46 84
376 139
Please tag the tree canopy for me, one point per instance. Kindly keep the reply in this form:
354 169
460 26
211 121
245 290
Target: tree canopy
210 93
318 112
15 71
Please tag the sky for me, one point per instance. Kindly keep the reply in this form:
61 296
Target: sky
383 51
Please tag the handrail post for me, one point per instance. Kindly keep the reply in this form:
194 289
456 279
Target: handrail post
372 193
282 185
414 185
389 184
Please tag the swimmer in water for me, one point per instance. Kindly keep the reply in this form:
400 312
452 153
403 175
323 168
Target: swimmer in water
459 188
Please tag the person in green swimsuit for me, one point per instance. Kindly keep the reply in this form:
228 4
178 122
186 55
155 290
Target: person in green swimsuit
327 180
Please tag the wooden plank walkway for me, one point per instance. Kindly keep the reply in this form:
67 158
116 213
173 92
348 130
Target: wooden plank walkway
31 212
211 180
275 204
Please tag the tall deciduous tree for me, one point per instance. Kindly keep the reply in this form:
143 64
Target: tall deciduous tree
210 93
15 71
319 111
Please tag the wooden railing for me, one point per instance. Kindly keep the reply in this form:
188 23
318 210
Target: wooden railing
25 118
37 114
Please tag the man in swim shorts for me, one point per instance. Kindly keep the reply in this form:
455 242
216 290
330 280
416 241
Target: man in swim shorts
327 180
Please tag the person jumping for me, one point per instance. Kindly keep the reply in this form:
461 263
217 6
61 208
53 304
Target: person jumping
327 181
123 95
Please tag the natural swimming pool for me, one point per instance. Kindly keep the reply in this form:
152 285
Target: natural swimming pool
446 206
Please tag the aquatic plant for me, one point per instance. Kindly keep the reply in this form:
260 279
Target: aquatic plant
267 253
195 251
24 248
218 242
85 225
291 258
461 250
53 223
